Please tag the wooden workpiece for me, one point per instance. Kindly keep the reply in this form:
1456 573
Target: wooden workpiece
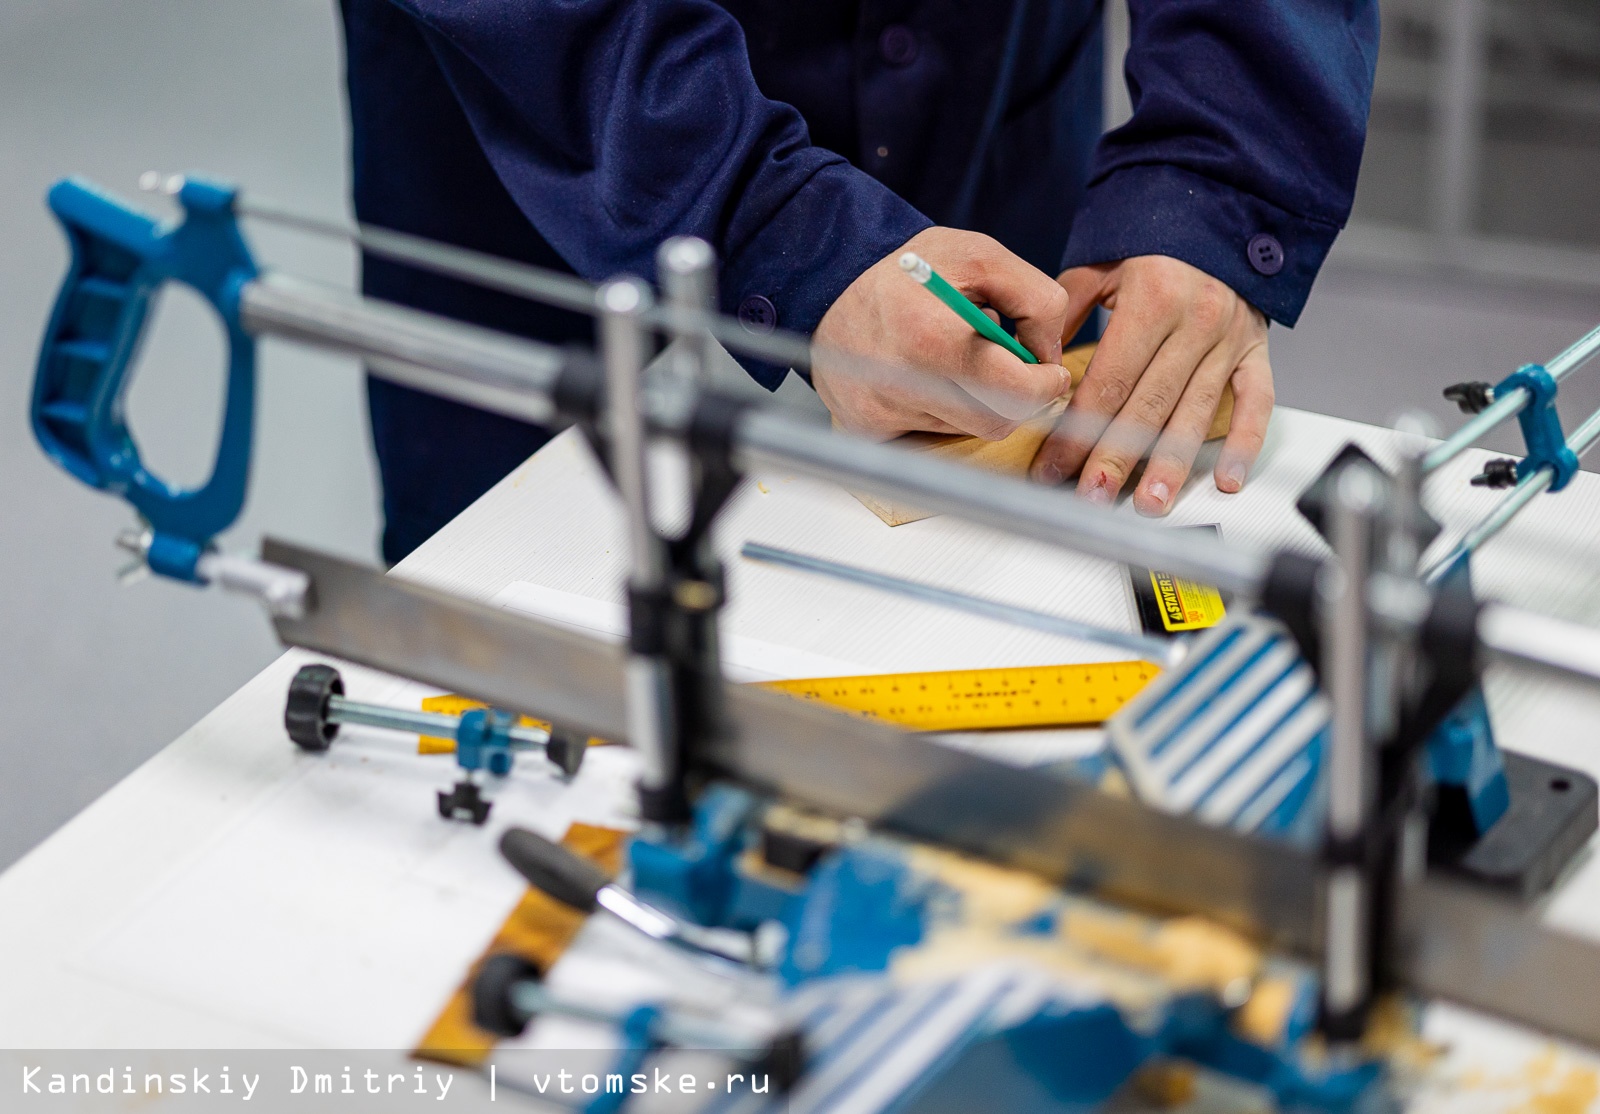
1013 454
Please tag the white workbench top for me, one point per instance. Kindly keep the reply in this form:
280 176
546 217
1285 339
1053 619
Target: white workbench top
233 892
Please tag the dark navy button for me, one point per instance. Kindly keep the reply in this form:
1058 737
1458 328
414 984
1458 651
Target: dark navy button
898 45
1266 254
758 314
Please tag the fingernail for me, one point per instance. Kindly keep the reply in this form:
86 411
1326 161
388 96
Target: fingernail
1098 493
1047 473
1159 494
1233 475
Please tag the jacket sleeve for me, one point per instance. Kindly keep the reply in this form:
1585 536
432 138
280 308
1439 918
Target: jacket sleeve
1241 157
615 124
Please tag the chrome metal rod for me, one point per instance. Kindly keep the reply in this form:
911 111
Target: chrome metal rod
463 362
1346 646
650 703
434 724
1520 496
492 272
513 376
774 442
1161 651
1511 403
1521 637
1582 440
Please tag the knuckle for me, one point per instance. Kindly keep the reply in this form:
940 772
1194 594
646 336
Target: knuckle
1209 307
1150 408
998 428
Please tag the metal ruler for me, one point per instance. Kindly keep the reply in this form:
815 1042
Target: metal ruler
982 699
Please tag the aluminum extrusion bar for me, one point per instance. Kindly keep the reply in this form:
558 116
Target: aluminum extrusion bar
1463 946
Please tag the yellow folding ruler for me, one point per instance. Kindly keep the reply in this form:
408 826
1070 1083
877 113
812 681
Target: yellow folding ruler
983 699
952 700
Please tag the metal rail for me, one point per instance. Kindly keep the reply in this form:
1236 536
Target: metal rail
1510 404
416 722
1162 651
1531 485
517 377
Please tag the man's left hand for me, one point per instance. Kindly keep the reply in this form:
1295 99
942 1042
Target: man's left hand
1175 339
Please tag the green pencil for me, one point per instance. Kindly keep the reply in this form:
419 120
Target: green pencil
917 267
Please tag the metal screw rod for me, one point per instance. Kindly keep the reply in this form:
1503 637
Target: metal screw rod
437 724
1161 651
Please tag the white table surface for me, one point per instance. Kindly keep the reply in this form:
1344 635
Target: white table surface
234 892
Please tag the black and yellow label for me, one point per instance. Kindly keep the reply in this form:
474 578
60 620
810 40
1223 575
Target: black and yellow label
1168 604
1184 605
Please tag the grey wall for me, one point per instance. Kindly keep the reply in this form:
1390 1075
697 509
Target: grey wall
93 677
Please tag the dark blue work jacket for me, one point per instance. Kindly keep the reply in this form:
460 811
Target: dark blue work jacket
807 139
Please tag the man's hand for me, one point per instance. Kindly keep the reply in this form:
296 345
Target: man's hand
1176 337
975 386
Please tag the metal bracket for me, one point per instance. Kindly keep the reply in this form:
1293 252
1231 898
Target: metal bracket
1541 426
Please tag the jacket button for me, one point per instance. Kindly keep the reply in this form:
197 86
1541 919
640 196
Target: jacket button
1265 254
758 314
898 45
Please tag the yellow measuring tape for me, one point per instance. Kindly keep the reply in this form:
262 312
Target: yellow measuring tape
953 700
983 699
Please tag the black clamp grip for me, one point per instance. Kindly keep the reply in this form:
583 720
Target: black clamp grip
1472 397
549 867
1499 472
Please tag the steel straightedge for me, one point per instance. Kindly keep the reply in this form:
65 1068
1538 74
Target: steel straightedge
1459 945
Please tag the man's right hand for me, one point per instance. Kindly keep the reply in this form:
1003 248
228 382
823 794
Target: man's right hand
961 383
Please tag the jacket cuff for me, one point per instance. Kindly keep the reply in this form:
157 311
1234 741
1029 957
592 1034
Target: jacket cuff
1269 255
839 223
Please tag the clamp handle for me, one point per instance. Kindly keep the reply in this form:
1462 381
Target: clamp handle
120 259
1541 426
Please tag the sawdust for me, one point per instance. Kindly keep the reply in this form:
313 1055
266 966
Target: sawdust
1557 1088
1549 1083
1265 1016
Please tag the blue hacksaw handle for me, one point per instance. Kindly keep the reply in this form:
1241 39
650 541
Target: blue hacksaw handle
120 259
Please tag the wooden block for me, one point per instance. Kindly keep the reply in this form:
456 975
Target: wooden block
1012 455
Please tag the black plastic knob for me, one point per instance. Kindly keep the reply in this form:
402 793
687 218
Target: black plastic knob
566 751
305 713
494 1006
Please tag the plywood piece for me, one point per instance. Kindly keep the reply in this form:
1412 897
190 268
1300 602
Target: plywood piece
1011 455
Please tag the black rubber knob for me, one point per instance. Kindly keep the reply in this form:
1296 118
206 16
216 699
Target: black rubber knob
494 1007
305 713
570 879
566 751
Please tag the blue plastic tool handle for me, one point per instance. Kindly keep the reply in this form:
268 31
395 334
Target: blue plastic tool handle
1541 426
120 259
